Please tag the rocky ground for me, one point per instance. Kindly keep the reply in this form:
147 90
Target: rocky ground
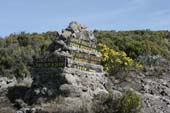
155 93
154 90
5 104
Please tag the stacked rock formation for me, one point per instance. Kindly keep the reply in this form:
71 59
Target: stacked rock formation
74 48
71 68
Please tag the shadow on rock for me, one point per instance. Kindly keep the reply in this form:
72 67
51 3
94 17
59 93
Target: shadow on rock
16 95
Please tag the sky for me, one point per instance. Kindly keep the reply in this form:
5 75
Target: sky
54 15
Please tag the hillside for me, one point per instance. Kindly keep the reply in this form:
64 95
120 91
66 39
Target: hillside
149 50
21 48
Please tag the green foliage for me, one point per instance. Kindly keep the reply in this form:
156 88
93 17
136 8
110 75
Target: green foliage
17 51
21 70
2 43
137 43
130 102
115 61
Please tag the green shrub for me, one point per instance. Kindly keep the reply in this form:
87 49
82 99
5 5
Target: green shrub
137 43
17 51
130 102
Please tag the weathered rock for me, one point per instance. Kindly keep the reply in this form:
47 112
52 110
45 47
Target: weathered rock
75 105
71 82
27 110
66 34
116 94
77 87
76 27
5 104
5 82
155 104
70 90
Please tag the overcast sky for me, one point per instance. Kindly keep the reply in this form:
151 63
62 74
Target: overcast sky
51 15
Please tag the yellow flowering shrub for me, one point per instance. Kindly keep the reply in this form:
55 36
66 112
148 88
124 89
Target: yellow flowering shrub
114 61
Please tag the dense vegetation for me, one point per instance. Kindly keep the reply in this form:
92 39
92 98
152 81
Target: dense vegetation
17 50
137 43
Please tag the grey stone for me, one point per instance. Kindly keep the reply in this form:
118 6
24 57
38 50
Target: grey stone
71 79
74 26
70 90
116 94
6 82
26 110
66 34
71 105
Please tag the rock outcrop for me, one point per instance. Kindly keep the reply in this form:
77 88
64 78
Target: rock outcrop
70 69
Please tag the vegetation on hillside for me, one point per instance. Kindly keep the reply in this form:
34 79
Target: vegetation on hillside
121 50
137 43
17 50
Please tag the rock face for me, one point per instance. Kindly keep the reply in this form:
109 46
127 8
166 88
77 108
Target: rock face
70 69
49 83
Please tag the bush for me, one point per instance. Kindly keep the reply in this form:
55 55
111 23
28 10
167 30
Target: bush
130 102
114 61
17 51
137 43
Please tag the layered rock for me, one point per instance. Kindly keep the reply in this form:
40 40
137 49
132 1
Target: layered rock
70 69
